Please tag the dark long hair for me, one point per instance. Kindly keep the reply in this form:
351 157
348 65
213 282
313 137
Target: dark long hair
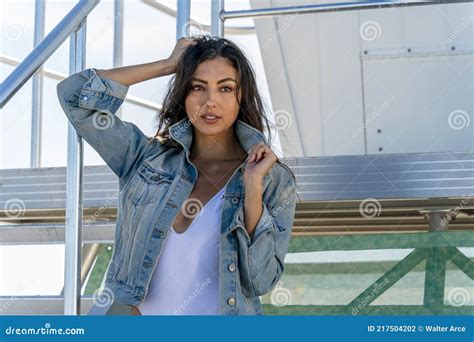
252 109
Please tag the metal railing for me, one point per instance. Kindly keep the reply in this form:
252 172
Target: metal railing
325 8
59 76
196 22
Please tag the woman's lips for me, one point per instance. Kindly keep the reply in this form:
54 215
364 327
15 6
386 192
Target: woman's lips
209 120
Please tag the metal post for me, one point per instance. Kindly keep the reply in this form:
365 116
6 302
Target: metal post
437 219
73 238
37 92
118 39
183 18
435 269
217 22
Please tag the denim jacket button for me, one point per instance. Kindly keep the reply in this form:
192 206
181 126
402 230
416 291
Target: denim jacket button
231 267
234 200
85 98
231 301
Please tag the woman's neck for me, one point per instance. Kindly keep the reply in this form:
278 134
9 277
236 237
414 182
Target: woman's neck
223 146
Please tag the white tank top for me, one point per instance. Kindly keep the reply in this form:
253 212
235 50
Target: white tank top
186 278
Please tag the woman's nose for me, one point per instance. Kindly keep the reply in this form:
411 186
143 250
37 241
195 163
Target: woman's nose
210 102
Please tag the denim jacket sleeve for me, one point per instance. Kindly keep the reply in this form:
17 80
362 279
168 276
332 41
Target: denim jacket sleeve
261 259
90 103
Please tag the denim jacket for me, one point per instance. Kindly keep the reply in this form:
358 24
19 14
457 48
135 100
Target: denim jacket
154 181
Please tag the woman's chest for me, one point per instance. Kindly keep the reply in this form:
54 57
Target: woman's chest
211 180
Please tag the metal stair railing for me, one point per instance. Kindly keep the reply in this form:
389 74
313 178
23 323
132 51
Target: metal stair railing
58 76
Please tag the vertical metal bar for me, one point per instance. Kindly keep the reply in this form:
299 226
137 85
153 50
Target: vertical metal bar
37 91
217 23
183 13
435 269
73 243
435 276
118 39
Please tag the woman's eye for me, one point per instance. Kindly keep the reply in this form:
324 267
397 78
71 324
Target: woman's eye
223 89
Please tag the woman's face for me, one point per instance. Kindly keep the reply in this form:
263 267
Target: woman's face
213 93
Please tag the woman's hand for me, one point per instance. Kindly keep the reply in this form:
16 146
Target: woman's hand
260 161
181 45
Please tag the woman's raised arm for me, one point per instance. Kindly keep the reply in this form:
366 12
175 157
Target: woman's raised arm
133 74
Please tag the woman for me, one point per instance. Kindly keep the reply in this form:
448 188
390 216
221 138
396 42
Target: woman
206 208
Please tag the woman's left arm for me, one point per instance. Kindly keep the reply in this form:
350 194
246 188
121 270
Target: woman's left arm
266 231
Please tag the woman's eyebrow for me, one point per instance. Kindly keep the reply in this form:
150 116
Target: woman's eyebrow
223 80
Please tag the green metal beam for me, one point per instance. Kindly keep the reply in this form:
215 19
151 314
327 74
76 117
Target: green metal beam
362 301
381 241
463 263
435 276
336 310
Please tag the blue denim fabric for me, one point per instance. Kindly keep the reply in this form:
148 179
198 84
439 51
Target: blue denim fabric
154 181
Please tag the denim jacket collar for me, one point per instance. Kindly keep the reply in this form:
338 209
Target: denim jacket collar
182 132
247 135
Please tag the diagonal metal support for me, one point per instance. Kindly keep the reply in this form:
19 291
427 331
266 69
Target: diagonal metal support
387 280
462 262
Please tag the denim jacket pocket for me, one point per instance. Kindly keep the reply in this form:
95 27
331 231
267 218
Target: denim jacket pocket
148 185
